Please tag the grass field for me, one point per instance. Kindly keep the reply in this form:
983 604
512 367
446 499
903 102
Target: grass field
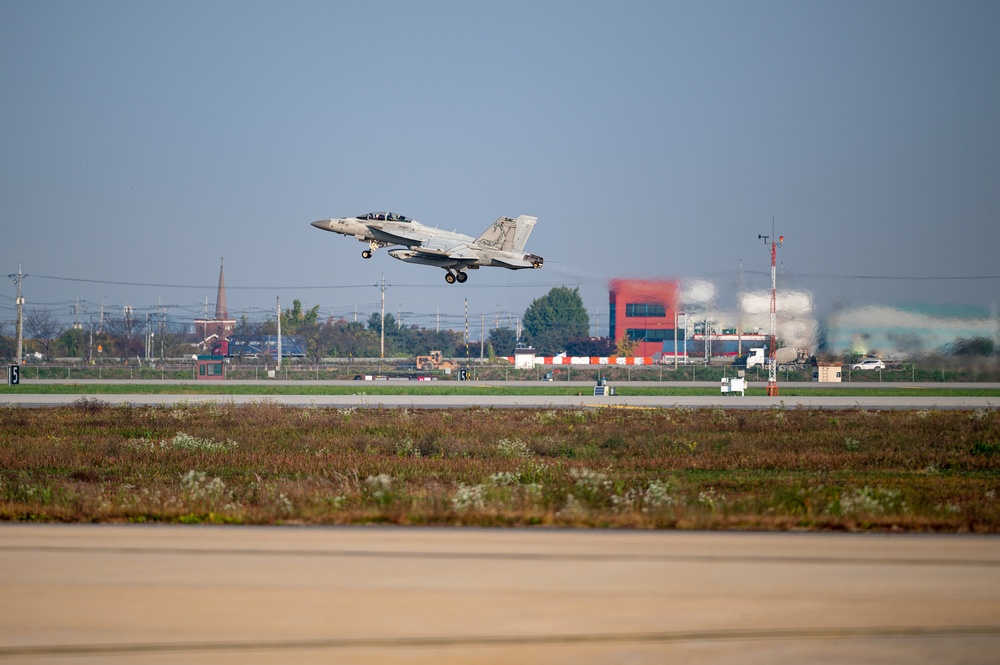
773 469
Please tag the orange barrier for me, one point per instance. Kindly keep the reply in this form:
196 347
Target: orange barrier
588 360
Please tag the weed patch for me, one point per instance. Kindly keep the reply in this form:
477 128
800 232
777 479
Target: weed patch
265 463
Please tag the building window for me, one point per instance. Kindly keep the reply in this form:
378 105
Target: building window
641 335
645 309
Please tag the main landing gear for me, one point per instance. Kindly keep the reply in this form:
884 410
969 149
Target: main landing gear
452 277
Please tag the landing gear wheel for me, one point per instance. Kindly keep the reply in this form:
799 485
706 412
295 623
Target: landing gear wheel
366 254
461 277
448 277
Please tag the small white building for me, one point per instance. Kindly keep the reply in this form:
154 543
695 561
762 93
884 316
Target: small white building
827 372
524 357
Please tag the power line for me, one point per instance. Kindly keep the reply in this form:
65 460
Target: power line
941 278
285 287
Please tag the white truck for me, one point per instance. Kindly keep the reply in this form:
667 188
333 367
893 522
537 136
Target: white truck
786 357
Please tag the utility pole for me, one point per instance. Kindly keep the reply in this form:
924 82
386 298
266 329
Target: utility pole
772 368
18 278
482 334
739 322
162 331
675 339
277 302
381 352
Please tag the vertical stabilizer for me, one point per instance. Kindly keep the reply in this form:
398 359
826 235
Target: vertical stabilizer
524 225
500 235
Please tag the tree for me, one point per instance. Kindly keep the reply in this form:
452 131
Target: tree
294 319
124 331
974 346
7 344
41 326
242 333
591 346
350 339
626 347
555 318
72 342
503 341
375 323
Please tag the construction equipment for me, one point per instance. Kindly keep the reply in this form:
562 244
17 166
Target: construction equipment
787 358
435 361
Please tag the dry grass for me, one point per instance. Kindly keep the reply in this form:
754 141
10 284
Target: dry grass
657 468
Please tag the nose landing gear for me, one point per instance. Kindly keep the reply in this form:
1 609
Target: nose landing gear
452 277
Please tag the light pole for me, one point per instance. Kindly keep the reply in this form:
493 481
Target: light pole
772 367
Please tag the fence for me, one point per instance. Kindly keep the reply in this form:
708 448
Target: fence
345 370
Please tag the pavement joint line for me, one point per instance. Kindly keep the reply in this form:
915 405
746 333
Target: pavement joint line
848 632
525 556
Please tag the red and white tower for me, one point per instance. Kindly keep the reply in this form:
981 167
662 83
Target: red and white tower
772 364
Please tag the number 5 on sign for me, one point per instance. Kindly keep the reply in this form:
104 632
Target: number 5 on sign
13 375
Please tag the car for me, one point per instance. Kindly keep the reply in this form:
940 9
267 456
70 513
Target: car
869 363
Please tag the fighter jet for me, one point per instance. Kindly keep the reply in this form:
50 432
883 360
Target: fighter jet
501 245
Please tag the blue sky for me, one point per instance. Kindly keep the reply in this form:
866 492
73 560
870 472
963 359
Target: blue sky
140 142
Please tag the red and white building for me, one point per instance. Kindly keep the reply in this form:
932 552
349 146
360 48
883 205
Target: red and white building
646 312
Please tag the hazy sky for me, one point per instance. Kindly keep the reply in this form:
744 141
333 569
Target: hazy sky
141 141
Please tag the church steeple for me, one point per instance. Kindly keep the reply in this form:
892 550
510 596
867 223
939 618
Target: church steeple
221 314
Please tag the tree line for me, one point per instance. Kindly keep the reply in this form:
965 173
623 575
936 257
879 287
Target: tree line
553 323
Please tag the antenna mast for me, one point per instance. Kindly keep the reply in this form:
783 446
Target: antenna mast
382 325
772 366
277 305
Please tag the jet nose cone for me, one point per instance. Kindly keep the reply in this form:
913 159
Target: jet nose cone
322 224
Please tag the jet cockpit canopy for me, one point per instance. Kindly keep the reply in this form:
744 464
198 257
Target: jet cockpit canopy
384 217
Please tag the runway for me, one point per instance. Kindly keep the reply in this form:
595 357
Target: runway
364 395
164 594
362 400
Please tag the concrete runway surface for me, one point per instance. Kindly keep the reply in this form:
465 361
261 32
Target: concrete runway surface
585 399
528 401
173 594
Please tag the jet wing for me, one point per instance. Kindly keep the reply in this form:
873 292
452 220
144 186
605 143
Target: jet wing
396 237
455 252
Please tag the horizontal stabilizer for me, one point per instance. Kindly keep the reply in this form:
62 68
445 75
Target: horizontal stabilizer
529 261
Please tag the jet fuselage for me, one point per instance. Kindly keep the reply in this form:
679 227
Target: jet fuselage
501 245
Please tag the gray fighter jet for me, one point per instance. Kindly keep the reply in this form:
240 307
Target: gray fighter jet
501 245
